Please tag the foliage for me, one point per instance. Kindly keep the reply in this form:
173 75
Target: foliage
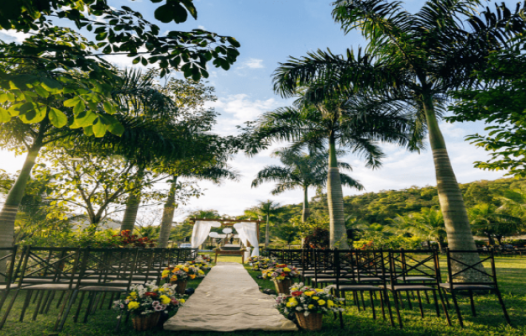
319 238
287 232
126 239
501 105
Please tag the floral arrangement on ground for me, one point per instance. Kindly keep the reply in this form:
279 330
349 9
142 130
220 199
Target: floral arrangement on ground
181 273
281 272
261 263
149 298
308 300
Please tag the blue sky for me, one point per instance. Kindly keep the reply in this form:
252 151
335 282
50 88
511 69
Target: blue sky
269 32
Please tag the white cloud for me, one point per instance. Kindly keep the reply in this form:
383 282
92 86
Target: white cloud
254 63
13 36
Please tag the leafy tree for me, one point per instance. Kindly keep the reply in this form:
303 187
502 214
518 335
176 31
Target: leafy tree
415 60
500 104
486 219
301 171
427 224
328 123
287 232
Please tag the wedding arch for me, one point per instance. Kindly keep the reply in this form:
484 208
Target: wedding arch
248 231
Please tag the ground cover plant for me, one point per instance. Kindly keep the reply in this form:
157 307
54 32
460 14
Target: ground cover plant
490 321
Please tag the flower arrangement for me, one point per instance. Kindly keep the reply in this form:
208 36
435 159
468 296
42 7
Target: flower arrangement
200 264
261 263
307 300
126 239
203 257
180 273
149 298
281 272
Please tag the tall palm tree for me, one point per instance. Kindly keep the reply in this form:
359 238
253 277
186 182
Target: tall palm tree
266 210
416 60
337 120
301 171
214 174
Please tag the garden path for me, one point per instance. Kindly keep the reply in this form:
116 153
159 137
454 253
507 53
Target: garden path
228 299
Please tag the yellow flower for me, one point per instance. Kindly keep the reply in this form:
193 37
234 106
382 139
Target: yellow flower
176 270
330 303
133 294
185 269
319 290
174 278
294 289
309 293
200 272
182 301
321 302
192 276
293 302
311 306
288 304
315 298
133 305
165 273
165 299
286 269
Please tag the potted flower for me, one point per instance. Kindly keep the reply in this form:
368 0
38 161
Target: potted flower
179 275
147 303
282 276
308 305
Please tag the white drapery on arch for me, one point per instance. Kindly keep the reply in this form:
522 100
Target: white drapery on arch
200 232
248 232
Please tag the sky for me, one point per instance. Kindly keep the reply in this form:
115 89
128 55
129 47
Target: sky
270 31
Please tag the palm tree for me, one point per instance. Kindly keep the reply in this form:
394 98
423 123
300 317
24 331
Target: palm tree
301 171
267 210
214 174
337 120
427 224
415 60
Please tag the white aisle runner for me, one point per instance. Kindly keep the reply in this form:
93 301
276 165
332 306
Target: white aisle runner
228 299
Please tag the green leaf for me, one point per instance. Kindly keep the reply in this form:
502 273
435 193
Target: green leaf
116 128
164 14
72 102
99 129
51 85
4 115
88 130
108 107
32 115
57 118
84 119
41 91
79 107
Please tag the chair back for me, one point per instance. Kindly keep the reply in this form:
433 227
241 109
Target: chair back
469 268
8 257
409 266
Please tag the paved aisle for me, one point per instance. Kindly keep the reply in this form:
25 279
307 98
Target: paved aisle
228 299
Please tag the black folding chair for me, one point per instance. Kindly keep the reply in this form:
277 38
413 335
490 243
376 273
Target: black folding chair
458 268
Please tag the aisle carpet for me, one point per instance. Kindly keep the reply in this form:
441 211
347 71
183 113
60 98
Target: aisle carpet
228 299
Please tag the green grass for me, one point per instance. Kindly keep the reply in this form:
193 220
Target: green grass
490 321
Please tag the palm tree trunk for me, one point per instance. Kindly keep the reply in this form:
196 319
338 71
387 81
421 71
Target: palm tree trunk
306 209
168 216
456 220
267 231
338 234
132 205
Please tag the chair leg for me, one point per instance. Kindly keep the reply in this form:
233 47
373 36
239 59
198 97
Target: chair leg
454 297
6 314
445 298
372 304
49 302
436 303
382 304
102 300
90 305
506 316
409 300
63 315
44 303
444 308
388 302
35 313
427 297
398 311
75 318
420 303
26 303
363 301
473 311
4 298
400 298
60 299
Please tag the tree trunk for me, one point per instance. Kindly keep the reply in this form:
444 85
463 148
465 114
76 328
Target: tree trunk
14 197
499 239
338 234
306 209
456 220
132 204
267 231
168 216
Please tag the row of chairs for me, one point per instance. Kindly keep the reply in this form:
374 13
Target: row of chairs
384 272
65 274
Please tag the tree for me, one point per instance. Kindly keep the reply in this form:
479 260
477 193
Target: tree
500 104
301 171
493 223
267 210
427 224
416 60
337 120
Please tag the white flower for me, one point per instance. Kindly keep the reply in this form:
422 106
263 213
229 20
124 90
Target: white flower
306 313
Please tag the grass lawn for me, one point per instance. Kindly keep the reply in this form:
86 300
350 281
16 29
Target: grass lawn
490 320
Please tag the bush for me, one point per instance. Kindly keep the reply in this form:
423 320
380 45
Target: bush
319 238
